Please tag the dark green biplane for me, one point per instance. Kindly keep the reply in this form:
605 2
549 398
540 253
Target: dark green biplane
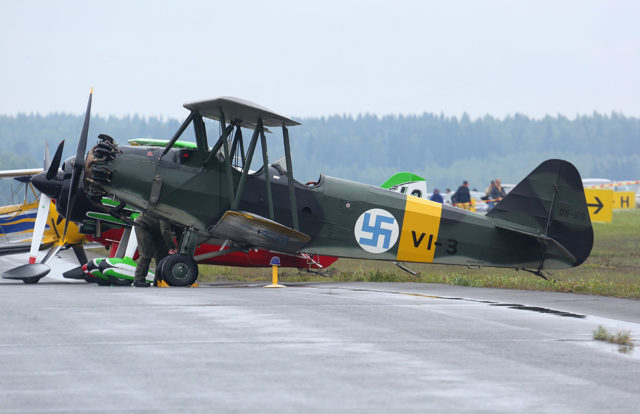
210 191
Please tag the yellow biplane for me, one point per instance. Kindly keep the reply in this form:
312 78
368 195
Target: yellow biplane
18 224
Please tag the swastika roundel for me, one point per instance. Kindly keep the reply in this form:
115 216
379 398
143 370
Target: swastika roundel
376 230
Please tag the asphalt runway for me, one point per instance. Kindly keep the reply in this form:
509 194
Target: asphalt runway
331 347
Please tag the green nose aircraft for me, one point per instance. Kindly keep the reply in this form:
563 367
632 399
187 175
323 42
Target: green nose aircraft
542 224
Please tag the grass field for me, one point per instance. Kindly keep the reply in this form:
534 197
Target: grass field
613 269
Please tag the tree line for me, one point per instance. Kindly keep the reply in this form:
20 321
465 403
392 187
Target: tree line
369 148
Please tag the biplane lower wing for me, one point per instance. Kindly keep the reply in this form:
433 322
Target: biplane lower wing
257 231
27 172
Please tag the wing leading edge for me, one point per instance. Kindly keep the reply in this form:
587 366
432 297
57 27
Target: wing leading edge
239 109
20 173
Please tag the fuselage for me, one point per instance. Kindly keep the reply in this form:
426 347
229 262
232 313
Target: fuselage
343 218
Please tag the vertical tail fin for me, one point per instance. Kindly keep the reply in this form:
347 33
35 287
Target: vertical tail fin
550 202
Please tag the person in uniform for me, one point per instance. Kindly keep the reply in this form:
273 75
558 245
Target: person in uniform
155 240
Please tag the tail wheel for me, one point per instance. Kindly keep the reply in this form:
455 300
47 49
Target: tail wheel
178 270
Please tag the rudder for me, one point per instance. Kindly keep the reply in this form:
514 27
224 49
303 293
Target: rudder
550 202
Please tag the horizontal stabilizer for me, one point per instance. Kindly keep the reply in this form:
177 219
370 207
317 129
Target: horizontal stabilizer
553 247
254 230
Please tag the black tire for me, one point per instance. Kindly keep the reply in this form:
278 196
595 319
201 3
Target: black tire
178 270
158 273
31 280
102 282
90 279
116 281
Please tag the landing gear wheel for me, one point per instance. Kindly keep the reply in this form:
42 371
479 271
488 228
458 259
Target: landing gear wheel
90 279
158 273
31 280
178 270
116 281
102 282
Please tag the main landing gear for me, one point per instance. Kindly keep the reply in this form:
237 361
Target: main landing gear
177 270
180 269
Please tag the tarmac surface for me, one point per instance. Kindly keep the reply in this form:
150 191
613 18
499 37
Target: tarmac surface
330 347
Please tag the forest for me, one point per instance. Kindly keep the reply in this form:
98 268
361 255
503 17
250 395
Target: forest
369 148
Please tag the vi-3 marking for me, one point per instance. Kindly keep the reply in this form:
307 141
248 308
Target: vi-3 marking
452 244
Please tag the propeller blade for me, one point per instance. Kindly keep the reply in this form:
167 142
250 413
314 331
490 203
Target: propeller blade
52 252
81 255
55 163
38 228
82 144
47 157
78 165
70 200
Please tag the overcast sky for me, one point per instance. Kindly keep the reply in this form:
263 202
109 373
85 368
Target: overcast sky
320 58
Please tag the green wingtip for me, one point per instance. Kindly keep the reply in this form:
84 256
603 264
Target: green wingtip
401 178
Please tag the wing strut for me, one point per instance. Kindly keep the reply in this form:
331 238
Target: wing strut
201 135
179 132
216 147
225 151
245 167
292 196
267 179
237 138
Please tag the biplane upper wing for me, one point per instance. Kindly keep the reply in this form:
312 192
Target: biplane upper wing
256 231
239 109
